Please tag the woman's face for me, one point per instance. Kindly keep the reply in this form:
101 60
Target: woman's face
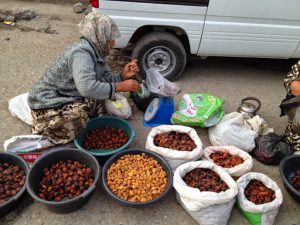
111 45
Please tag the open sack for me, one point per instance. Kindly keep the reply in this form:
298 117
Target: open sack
207 208
237 170
30 147
239 130
263 214
174 157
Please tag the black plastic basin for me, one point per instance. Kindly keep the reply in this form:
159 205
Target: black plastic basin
45 161
157 157
13 202
288 167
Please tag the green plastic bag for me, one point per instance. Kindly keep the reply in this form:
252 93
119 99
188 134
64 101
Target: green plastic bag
202 110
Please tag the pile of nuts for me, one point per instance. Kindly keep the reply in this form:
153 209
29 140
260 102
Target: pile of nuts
137 178
105 138
295 180
65 180
175 140
205 180
225 159
12 179
258 193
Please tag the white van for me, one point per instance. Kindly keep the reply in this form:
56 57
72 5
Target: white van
164 33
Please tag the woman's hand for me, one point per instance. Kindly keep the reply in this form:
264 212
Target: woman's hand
127 86
130 69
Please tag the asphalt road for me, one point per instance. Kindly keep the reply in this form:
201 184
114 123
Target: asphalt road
28 48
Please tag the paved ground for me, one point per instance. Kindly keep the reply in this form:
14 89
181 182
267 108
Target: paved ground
27 50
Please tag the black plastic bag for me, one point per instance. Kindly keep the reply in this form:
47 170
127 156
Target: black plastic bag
271 149
290 102
142 103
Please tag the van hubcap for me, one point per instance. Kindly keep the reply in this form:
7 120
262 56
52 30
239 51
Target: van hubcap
160 58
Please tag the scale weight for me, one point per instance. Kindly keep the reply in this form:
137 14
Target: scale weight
159 111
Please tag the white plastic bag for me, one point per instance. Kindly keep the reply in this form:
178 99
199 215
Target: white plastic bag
259 124
207 208
175 157
156 83
237 170
233 130
263 214
18 107
118 107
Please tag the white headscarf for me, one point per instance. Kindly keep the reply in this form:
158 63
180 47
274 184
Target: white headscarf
100 29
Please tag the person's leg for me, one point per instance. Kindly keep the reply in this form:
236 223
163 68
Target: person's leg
63 124
292 137
96 107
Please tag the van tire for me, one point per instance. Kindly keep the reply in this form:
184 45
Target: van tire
162 51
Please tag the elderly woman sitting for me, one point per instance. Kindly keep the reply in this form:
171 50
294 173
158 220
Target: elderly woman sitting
73 88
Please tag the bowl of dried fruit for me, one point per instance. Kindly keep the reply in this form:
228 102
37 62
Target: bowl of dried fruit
64 180
137 177
290 173
13 173
105 136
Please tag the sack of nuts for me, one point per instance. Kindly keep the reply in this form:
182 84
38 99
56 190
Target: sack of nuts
233 160
205 191
177 144
259 198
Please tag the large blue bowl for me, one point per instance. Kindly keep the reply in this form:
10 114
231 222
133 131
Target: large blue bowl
288 167
107 121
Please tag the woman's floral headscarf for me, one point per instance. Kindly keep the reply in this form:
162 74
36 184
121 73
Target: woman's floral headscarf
100 29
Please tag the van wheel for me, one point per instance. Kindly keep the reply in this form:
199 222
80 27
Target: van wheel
162 51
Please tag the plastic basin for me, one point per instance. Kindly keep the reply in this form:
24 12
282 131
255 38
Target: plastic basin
13 202
36 172
103 154
288 167
160 160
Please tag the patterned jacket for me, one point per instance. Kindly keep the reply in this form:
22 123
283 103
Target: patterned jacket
293 75
78 72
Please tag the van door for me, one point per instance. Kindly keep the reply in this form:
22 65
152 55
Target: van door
256 28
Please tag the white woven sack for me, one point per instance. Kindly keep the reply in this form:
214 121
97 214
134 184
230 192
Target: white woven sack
207 208
269 210
237 170
175 157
